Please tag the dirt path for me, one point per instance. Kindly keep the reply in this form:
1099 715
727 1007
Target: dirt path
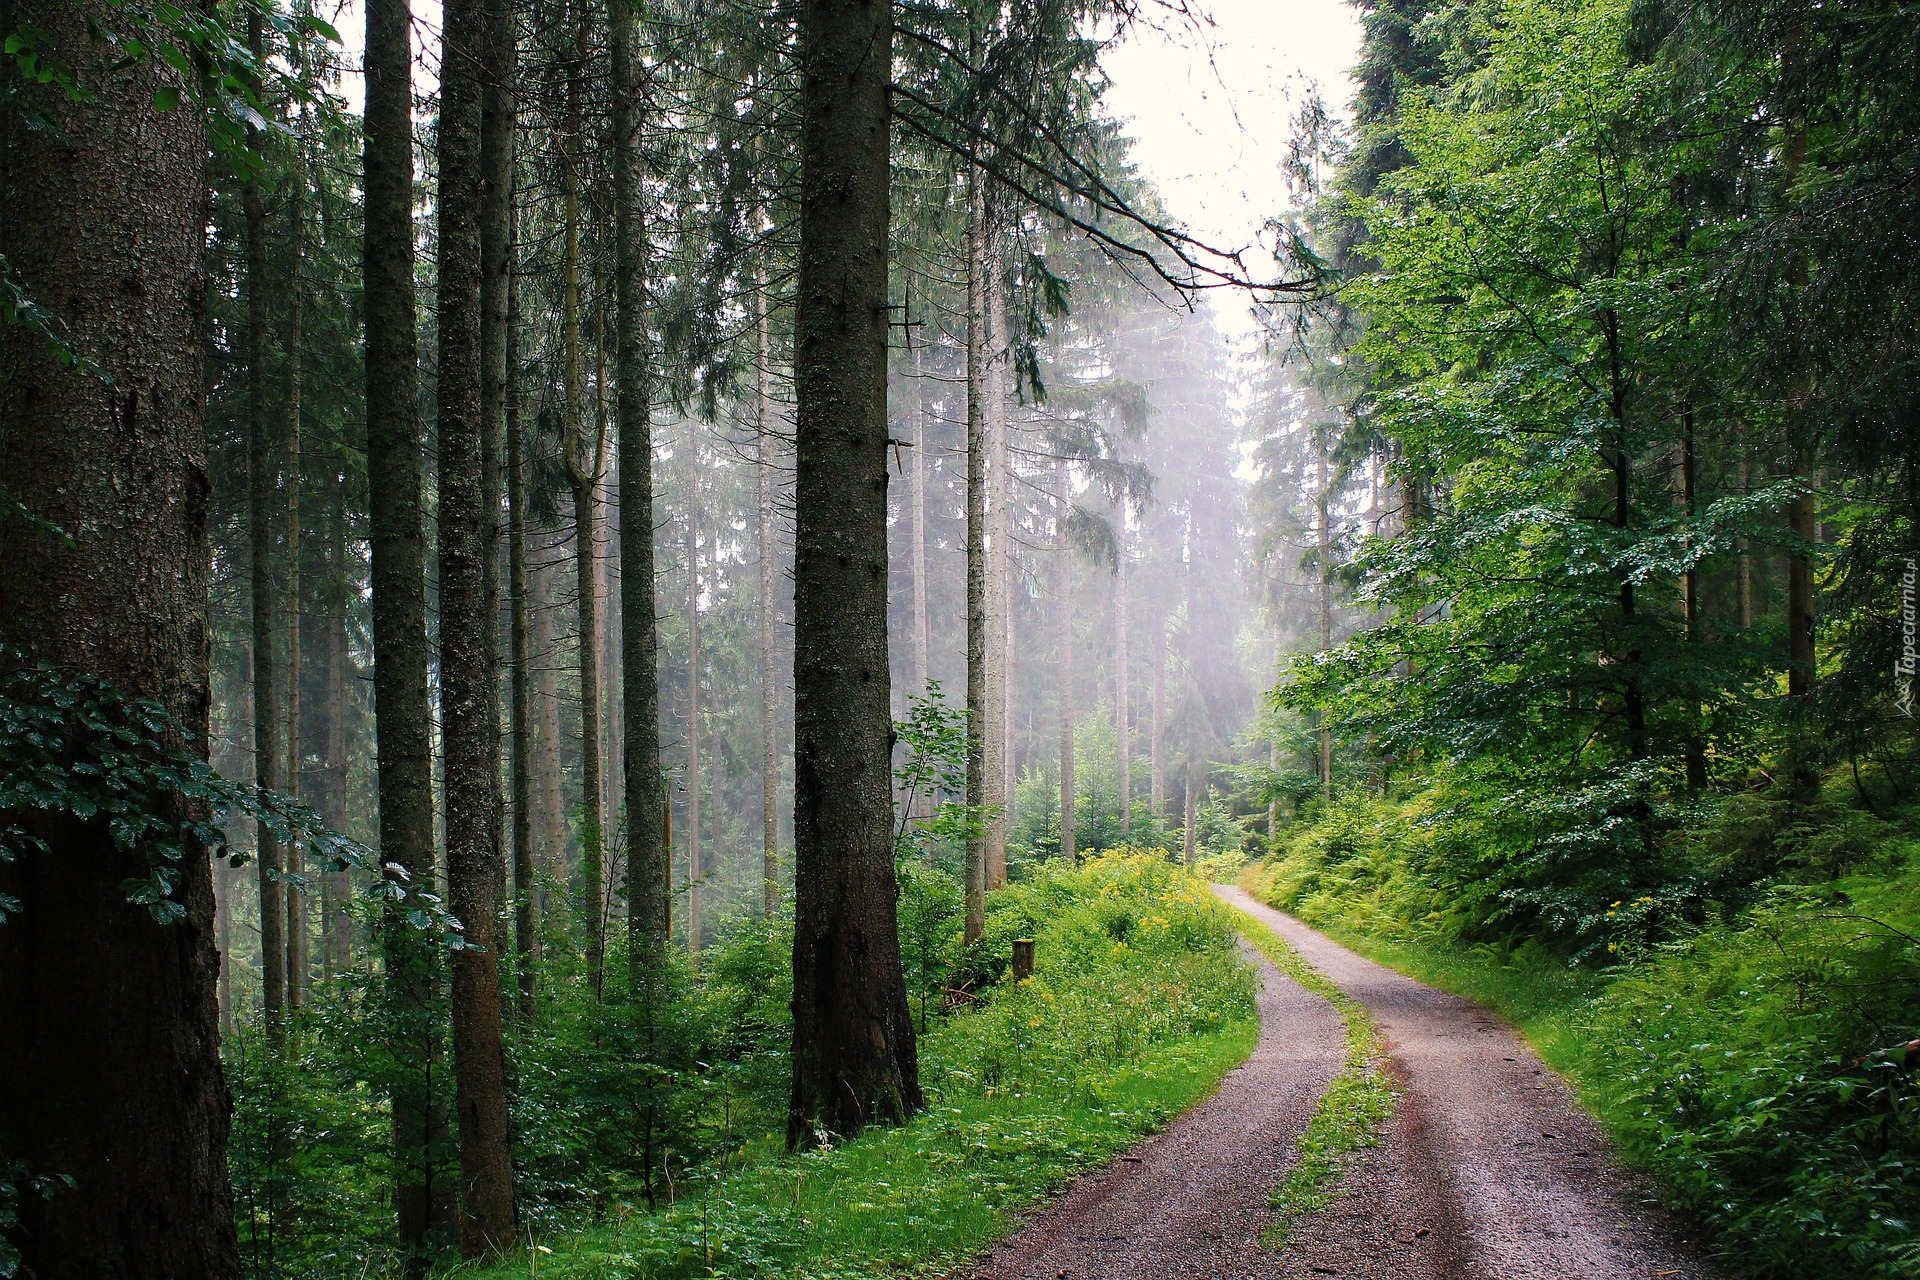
1189 1202
1489 1169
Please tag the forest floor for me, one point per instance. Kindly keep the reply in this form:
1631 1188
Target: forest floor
1487 1167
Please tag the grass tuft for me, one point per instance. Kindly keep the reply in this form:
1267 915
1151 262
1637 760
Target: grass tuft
1352 1110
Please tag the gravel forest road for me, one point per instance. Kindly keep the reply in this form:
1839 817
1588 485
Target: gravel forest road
1488 1169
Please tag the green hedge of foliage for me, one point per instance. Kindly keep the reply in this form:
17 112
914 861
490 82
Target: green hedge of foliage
1138 1004
1733 1042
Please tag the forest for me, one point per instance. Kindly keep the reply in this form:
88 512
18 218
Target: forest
680 638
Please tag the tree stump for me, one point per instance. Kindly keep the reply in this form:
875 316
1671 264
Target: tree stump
1022 958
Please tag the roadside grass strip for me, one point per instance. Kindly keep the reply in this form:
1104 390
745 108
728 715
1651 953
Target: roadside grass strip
1351 1111
1139 1004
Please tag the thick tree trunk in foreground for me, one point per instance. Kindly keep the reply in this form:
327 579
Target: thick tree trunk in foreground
1690 587
1273 744
1324 544
468 709
854 1060
109 1041
648 858
399 573
1743 565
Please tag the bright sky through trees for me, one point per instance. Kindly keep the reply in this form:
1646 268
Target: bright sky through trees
1210 107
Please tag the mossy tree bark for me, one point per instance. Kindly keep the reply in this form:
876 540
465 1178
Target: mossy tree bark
469 711
584 449
297 942
498 66
644 790
854 1060
110 1067
402 715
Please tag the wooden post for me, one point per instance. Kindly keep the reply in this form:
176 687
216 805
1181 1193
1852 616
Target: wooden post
1022 958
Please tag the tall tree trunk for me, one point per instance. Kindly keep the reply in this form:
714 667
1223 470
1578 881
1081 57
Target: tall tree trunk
336 887
525 735
1009 753
1069 802
922 622
769 685
980 756
1324 547
110 1072
223 940
649 859
1801 659
1801 668
1196 738
1620 462
606 563
549 827
402 712
854 1059
1690 585
999 561
267 715
585 470
584 460
1273 743
1157 744
1744 566
296 940
469 713
1189 838
1122 712
499 66
690 549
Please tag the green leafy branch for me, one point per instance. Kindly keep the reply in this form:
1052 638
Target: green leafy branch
935 737
74 746
209 47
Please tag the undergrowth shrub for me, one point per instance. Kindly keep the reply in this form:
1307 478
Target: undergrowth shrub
1728 1013
659 1152
1138 1002
1746 1066
1130 952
